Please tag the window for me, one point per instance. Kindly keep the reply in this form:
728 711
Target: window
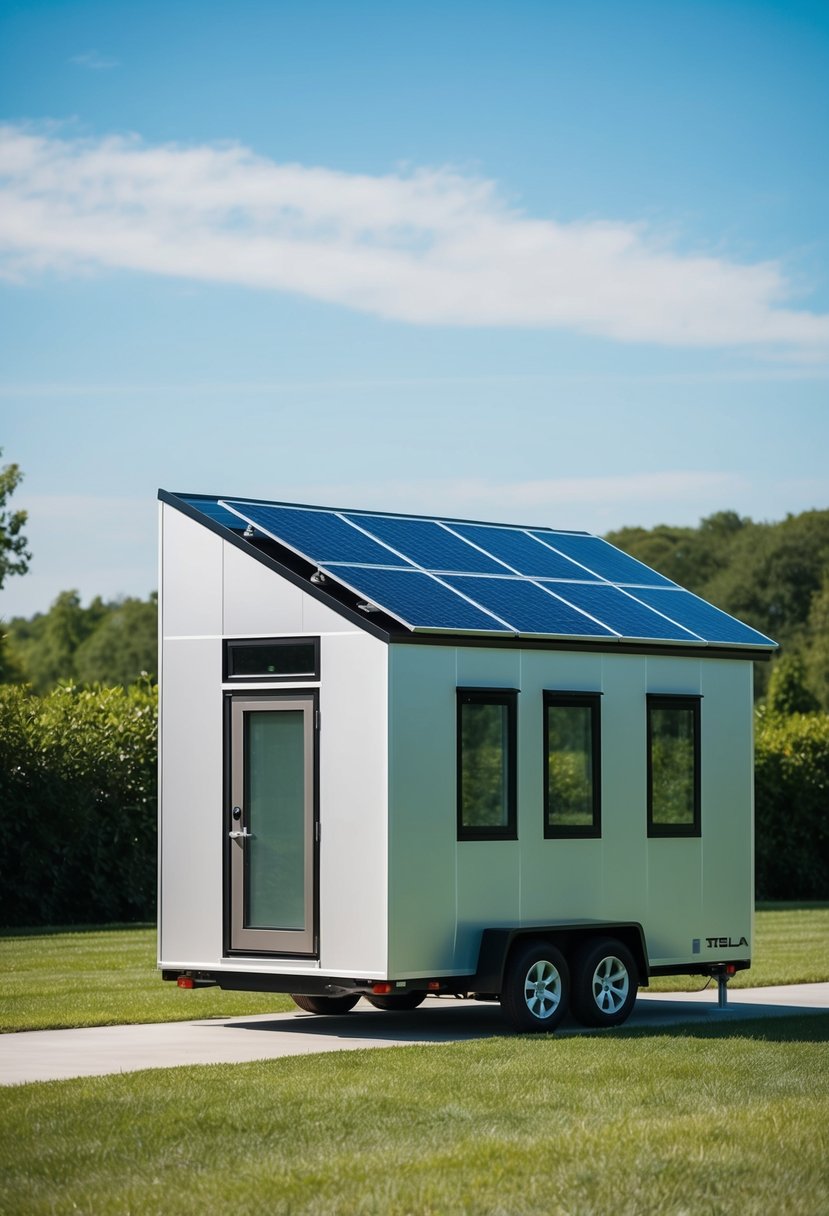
486 764
572 765
272 659
673 766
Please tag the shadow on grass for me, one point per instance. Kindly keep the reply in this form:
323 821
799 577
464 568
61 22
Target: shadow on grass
450 1025
59 930
810 1027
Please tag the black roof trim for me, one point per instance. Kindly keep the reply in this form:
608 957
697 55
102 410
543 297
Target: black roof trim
233 538
608 646
446 519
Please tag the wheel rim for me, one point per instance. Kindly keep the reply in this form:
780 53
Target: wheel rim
611 984
542 989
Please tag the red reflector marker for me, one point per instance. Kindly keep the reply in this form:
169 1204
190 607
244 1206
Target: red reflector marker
185 981
381 989
433 985
731 969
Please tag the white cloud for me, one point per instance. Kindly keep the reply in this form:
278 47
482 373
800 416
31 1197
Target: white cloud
429 247
94 61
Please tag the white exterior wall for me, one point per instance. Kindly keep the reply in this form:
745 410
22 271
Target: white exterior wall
443 892
400 896
211 590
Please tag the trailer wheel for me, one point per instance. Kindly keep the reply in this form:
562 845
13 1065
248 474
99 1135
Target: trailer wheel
326 1004
397 1001
604 983
536 989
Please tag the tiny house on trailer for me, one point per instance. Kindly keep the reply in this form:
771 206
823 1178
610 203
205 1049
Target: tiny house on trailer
404 756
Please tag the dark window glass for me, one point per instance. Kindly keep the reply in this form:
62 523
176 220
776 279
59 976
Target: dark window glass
486 765
673 766
286 659
573 765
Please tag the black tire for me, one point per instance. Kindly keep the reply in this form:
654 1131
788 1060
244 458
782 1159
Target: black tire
536 990
605 982
326 1004
398 1002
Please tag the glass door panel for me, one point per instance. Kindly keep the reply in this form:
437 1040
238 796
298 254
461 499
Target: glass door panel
272 835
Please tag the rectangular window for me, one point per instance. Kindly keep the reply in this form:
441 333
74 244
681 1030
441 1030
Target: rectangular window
572 765
487 745
272 659
673 766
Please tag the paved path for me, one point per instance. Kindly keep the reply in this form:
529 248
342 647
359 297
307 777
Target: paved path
47 1055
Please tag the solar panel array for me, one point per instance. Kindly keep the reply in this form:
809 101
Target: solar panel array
493 579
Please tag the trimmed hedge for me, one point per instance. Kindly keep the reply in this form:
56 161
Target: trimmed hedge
791 781
78 805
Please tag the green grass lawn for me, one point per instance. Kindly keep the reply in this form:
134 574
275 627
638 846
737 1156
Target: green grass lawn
721 1120
98 977
102 977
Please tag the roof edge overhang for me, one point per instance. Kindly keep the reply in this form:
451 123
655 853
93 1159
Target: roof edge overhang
694 650
307 506
397 634
272 563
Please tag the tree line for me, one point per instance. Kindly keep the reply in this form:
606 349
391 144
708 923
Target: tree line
774 576
112 643
78 718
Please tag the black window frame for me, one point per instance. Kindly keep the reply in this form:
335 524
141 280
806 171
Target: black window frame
506 698
575 700
269 677
672 701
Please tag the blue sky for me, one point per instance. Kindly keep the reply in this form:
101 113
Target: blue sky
544 262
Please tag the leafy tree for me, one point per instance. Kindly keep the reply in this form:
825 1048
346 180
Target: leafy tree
772 576
14 556
788 692
45 647
690 556
818 651
773 570
64 630
123 646
107 643
11 671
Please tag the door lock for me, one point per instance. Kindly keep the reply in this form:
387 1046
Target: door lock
243 835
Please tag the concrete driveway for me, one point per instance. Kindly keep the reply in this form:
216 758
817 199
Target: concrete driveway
48 1055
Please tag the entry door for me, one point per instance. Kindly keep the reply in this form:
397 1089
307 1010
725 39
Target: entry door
272 825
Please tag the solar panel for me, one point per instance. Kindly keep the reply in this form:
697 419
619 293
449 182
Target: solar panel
214 510
528 607
321 536
521 551
602 558
706 620
418 599
623 614
488 578
428 544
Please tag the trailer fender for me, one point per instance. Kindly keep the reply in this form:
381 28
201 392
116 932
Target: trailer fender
496 945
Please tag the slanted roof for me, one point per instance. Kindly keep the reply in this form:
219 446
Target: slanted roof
436 575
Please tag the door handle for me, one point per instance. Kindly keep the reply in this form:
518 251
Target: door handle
243 835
